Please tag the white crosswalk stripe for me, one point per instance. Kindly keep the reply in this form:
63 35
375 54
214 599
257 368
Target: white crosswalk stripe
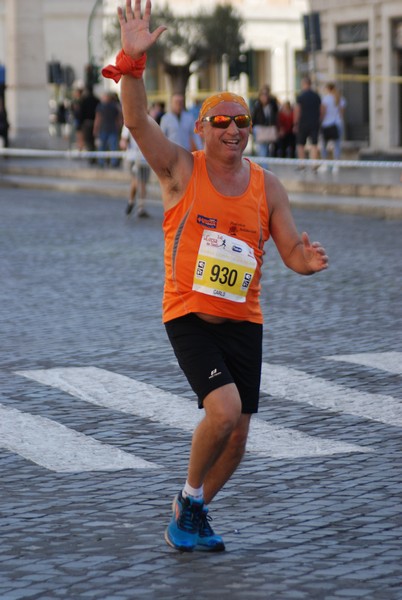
61 449
385 361
297 386
58 448
118 392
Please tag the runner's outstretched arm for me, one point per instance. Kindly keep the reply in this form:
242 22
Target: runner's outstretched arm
136 38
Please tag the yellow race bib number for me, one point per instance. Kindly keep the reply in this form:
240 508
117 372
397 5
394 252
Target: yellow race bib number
225 267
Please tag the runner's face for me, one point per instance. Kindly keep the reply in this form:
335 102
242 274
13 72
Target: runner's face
232 140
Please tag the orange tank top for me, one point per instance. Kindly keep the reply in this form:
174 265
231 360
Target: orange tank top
214 248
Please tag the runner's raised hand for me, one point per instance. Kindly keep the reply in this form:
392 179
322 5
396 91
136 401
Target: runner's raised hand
136 37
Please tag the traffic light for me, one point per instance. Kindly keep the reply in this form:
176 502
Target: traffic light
92 75
55 73
312 31
242 64
69 75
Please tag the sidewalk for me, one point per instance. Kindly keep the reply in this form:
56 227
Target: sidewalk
375 191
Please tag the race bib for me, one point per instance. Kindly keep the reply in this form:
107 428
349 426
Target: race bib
225 267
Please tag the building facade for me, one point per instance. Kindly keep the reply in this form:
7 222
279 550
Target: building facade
70 29
44 48
362 52
71 35
274 42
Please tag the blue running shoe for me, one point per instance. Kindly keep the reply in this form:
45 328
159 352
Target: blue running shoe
207 539
182 531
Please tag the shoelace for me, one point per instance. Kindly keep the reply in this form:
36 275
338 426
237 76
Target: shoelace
205 528
189 519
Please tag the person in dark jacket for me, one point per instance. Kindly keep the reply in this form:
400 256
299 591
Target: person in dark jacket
265 115
4 124
107 126
307 119
87 111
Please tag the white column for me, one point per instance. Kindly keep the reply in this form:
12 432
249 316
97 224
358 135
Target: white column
224 73
26 79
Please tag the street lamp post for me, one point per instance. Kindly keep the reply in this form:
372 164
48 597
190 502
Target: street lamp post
89 30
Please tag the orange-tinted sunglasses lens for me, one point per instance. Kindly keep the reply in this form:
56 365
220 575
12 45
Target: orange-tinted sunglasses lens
223 121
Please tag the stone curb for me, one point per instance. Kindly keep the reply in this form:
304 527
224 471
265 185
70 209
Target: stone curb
381 201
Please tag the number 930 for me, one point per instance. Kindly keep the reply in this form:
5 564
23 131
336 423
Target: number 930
224 275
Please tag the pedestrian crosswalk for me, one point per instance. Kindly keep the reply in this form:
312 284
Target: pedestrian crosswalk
112 390
294 385
61 449
385 361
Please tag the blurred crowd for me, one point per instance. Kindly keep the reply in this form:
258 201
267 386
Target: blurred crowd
280 129
93 123
284 130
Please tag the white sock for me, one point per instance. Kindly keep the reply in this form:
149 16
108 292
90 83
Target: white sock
196 493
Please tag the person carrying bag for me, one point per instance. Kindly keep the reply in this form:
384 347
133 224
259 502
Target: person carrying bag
264 118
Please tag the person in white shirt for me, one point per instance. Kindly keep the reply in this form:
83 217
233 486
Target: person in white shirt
333 107
140 173
178 125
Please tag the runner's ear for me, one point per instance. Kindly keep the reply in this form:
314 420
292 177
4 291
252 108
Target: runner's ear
197 127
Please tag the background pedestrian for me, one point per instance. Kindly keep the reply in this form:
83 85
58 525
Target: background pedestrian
178 125
286 146
107 126
87 113
140 174
265 122
4 124
333 107
307 118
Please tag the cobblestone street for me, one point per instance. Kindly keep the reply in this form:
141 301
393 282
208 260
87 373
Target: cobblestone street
314 511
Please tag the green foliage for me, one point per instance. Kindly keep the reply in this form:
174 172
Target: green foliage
183 34
200 39
222 33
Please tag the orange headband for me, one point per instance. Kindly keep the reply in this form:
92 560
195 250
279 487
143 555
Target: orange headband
216 99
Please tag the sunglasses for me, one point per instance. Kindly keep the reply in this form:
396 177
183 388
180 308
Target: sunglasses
223 121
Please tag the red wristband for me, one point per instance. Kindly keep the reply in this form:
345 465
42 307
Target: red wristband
125 65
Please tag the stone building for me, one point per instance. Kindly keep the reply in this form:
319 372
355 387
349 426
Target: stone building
362 52
38 37
43 44
274 45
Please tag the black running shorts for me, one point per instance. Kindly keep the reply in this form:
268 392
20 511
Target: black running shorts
213 355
